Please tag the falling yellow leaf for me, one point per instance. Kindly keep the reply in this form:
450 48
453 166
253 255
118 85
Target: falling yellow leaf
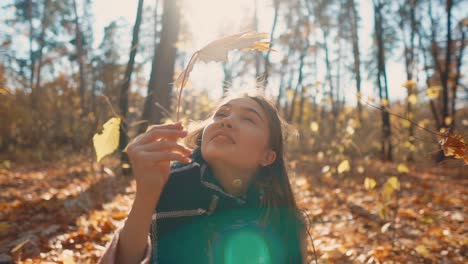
350 130
387 190
325 169
314 126
402 168
107 142
413 99
343 167
4 90
394 182
448 120
410 84
433 92
360 169
384 102
369 183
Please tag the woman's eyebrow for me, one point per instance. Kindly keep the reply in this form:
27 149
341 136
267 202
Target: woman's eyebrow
244 108
248 109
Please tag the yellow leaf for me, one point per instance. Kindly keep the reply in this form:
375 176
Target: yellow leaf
448 120
107 142
412 99
360 169
369 183
384 102
4 90
314 126
325 169
402 168
422 250
19 246
394 182
387 190
410 84
433 92
343 167
4 227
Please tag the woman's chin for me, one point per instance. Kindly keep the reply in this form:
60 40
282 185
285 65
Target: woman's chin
217 152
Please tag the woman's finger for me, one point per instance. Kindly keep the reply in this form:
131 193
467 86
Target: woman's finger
153 135
166 146
165 156
177 125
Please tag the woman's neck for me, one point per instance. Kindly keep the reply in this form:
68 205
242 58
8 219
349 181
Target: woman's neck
235 181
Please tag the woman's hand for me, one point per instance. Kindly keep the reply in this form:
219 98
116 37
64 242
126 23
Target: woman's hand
151 153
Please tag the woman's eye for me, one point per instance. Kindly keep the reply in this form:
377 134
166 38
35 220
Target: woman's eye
220 115
249 120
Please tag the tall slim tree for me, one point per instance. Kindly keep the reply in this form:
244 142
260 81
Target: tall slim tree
382 83
272 33
354 19
158 100
408 27
81 58
126 83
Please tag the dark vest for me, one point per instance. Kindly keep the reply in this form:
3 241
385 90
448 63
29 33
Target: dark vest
196 221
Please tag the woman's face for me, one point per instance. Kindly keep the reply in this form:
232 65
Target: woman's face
238 134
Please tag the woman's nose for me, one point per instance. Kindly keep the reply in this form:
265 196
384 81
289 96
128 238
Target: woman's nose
226 122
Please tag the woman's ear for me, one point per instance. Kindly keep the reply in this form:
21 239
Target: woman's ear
268 158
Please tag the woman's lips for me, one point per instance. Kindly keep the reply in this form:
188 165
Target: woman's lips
223 135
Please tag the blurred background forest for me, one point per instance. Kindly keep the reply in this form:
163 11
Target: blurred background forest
377 90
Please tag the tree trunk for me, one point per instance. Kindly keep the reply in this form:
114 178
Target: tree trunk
257 55
124 89
448 59
267 56
158 99
328 74
41 48
409 55
80 56
458 73
31 52
356 54
386 149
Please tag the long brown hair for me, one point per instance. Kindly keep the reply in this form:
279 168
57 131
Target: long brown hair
278 201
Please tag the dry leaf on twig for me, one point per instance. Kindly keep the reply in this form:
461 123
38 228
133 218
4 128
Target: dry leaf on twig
218 50
454 145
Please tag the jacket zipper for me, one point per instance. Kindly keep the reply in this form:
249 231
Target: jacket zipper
193 212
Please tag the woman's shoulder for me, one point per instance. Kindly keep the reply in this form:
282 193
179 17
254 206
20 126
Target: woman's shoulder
184 181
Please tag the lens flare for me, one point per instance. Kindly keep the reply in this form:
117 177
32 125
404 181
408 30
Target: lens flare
246 247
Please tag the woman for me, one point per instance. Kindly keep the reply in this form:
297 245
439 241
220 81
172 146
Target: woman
227 201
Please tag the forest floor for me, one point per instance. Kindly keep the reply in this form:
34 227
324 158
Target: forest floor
66 211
